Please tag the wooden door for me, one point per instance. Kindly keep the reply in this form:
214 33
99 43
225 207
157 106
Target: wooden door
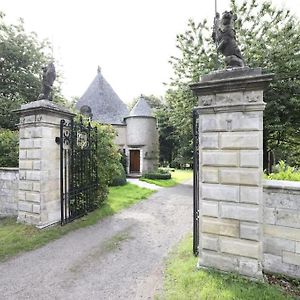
134 161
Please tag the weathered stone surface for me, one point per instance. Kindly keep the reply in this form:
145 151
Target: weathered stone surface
269 215
273 263
210 208
209 141
33 197
281 199
282 232
220 158
250 159
9 191
240 140
25 206
249 194
25 185
220 192
210 175
291 258
220 226
232 121
245 212
218 260
250 267
275 246
25 164
209 242
250 231
229 98
240 176
240 247
33 175
288 217
298 247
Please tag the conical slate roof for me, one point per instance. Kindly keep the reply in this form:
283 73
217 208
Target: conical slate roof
105 104
141 109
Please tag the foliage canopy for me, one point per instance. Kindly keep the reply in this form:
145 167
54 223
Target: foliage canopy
269 38
22 55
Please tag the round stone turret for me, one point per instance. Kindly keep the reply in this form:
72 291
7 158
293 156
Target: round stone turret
142 135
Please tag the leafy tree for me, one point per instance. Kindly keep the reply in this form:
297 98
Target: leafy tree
21 57
196 57
269 38
9 148
166 136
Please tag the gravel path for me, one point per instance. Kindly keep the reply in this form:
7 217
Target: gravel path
120 257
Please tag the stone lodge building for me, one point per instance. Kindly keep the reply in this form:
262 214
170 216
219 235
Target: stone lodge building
136 130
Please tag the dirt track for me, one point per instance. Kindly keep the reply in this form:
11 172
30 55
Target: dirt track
121 257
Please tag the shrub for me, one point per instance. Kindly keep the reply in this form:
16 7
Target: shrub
158 174
9 148
284 172
119 177
108 157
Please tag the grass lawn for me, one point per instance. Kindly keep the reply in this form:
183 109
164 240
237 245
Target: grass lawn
178 176
184 281
16 238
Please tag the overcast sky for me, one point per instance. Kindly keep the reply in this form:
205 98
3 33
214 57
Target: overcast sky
131 40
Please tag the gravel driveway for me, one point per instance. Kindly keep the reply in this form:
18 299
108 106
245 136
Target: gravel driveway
121 257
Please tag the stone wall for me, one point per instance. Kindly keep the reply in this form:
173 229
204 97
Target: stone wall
9 185
281 211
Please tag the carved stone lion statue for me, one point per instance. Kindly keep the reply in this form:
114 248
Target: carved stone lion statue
49 76
224 37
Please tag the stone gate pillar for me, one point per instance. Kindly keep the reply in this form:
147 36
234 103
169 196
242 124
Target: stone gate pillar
39 162
230 169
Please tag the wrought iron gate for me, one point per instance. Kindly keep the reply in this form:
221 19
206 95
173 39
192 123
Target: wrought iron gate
195 182
78 169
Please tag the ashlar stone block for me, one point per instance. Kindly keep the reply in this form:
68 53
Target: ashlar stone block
282 232
209 242
249 194
210 208
250 267
250 158
244 212
210 175
220 192
209 141
218 260
275 246
240 247
250 231
288 217
240 140
220 158
291 258
220 226
240 176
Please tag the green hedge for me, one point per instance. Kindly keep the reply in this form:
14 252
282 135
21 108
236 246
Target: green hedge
159 174
9 148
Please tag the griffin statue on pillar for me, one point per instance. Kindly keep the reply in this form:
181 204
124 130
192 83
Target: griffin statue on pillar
224 37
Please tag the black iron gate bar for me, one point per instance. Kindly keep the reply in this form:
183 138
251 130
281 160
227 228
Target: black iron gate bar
195 182
78 169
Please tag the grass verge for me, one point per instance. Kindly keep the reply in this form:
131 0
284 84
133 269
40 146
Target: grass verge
178 176
16 238
184 281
